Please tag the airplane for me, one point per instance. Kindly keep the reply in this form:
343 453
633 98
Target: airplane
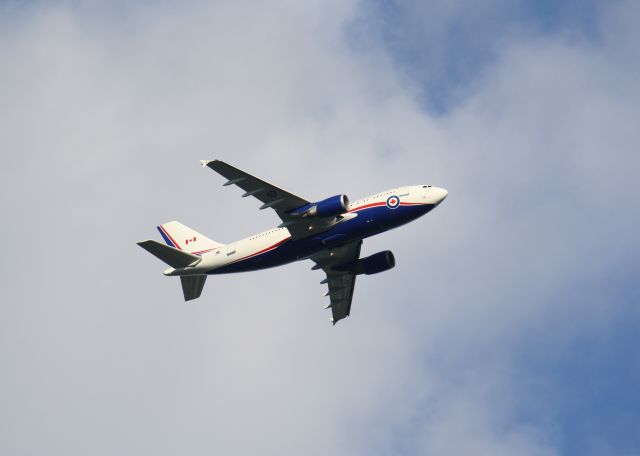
328 232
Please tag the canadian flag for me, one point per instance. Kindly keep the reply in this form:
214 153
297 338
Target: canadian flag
190 240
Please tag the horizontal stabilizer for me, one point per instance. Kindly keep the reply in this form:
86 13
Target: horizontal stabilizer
192 286
173 257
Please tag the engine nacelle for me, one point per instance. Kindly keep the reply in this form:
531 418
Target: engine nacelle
378 262
329 207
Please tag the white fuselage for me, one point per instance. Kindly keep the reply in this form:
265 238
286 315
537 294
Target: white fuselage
373 214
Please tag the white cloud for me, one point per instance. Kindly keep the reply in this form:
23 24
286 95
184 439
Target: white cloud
106 112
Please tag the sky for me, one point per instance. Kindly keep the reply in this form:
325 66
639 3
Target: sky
510 322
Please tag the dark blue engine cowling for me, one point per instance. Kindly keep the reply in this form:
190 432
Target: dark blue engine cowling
378 262
329 207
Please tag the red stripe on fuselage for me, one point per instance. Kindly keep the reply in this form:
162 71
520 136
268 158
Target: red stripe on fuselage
381 203
201 252
274 246
366 206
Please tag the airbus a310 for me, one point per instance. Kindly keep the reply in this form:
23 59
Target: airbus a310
327 232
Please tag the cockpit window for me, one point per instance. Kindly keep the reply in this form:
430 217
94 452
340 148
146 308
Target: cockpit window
426 186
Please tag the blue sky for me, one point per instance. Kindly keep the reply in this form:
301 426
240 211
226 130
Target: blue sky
509 325
445 46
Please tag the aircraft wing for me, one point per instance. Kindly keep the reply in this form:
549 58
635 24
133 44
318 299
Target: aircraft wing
271 196
341 282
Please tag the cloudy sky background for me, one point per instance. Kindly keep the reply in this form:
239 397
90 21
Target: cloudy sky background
510 323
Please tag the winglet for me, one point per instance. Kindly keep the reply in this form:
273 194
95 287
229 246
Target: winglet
204 162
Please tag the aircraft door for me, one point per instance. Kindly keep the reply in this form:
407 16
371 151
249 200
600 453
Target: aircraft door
403 191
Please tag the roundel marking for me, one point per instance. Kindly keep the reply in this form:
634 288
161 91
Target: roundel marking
393 202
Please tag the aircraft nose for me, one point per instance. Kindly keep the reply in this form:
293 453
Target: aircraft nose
439 194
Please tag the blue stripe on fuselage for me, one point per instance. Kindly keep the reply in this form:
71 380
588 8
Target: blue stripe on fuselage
369 222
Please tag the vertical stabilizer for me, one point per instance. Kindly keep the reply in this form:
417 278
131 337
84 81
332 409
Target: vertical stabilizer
187 239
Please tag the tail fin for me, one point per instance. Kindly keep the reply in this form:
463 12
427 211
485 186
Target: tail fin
184 238
192 286
173 257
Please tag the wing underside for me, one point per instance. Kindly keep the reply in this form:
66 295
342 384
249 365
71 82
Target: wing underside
340 280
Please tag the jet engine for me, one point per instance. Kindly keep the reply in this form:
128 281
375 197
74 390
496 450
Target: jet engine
378 262
329 207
